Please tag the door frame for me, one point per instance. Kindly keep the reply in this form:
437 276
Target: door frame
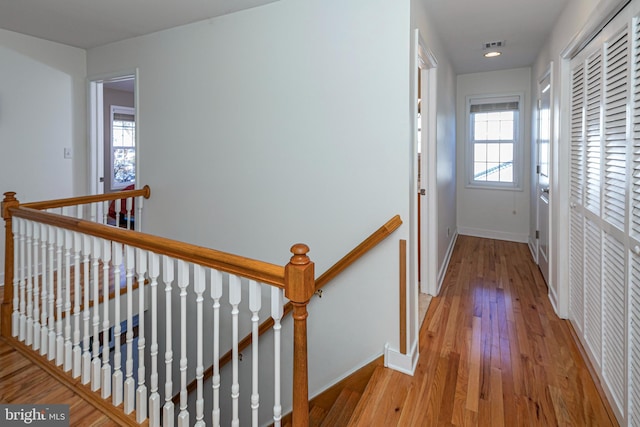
548 73
96 124
427 63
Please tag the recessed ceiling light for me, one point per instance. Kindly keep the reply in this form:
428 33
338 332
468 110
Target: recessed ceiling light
492 54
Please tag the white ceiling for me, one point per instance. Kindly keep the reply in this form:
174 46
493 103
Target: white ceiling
463 24
90 23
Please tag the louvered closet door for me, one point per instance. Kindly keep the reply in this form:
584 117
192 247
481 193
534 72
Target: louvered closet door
604 269
634 342
633 354
614 259
576 226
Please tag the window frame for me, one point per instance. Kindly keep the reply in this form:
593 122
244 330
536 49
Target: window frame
118 109
518 149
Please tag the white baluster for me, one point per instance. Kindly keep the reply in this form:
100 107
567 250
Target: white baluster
154 397
23 296
129 211
277 304
199 287
86 285
59 297
255 302
129 383
216 294
68 347
106 367
141 392
183 282
95 357
44 348
28 247
235 296
118 205
50 249
94 212
138 216
168 409
15 316
105 212
77 297
36 286
118 378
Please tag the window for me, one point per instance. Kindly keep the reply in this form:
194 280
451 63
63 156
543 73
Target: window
493 142
123 147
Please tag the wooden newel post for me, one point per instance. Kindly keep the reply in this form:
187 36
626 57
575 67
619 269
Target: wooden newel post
299 288
6 309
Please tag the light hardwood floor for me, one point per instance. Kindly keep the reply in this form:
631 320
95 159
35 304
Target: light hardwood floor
21 381
492 353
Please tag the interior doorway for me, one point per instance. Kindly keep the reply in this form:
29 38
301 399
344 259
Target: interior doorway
426 229
113 134
542 172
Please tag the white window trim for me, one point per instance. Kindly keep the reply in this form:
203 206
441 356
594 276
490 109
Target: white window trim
118 109
518 149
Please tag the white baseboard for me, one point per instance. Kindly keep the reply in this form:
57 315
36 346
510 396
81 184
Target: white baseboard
533 249
445 264
597 369
553 297
405 363
493 234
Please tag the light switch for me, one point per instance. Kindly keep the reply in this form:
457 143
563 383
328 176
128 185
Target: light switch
68 154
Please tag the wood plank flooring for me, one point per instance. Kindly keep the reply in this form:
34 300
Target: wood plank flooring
492 353
21 381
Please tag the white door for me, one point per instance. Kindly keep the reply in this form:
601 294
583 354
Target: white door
544 134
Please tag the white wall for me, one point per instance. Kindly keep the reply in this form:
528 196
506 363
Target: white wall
284 123
500 214
42 107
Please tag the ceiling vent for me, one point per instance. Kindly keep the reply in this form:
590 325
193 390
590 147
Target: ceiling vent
492 45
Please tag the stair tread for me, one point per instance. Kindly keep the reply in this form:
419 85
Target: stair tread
379 378
316 416
341 411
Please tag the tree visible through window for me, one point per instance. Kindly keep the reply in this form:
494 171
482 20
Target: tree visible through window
493 127
123 147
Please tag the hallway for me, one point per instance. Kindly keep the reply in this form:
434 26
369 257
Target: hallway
492 353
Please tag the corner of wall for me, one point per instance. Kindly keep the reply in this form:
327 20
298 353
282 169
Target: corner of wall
405 363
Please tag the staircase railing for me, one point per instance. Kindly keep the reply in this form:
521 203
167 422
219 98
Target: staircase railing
56 264
355 254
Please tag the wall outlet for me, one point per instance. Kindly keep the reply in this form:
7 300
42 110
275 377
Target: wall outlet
68 154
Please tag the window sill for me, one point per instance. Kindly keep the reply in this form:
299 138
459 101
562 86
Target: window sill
493 187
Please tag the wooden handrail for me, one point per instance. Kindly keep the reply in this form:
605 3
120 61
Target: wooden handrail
364 247
347 260
255 270
296 278
73 201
